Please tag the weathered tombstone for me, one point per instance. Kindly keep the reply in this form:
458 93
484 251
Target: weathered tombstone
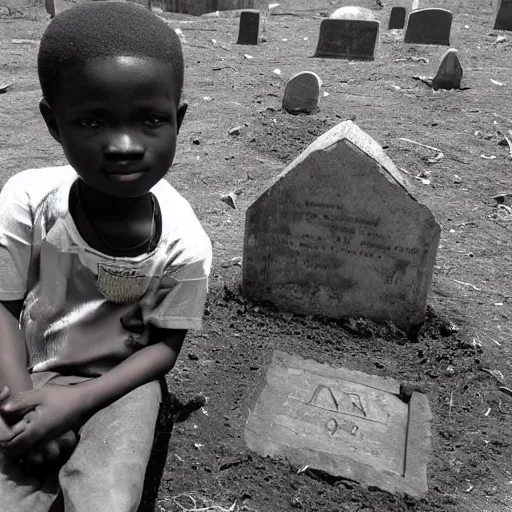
342 422
449 74
429 26
348 39
503 15
302 93
249 30
415 5
352 12
340 234
200 7
397 18
50 7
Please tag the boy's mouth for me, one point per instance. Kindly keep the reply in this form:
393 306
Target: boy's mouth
126 176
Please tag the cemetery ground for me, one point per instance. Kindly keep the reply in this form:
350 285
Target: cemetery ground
462 355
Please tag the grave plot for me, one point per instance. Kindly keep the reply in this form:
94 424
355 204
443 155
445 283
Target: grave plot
429 26
339 234
346 423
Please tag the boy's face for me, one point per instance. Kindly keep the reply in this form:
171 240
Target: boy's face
117 120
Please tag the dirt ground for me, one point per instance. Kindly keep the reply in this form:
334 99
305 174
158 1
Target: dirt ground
463 353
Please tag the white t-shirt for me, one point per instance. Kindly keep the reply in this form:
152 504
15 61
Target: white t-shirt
85 311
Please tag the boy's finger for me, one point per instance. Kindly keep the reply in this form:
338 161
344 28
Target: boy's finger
5 393
51 450
21 402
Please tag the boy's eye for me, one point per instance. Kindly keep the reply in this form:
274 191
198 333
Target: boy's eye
90 123
155 121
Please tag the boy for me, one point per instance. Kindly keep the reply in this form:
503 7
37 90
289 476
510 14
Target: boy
102 262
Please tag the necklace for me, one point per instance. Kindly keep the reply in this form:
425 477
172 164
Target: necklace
146 243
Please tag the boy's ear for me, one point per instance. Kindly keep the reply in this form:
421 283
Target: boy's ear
49 119
181 114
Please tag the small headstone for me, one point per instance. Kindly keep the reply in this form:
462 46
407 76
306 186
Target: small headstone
302 93
397 18
348 39
249 30
415 5
503 15
429 26
343 422
449 75
352 12
340 234
49 5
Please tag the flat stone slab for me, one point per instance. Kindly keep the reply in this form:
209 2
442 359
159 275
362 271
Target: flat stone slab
346 423
339 233
348 39
302 93
429 26
503 19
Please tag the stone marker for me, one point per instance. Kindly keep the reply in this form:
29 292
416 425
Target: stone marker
348 39
415 5
352 12
340 234
397 18
249 30
49 5
429 26
346 423
449 74
302 93
200 7
503 15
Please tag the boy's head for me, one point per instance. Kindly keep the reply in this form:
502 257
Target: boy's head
112 75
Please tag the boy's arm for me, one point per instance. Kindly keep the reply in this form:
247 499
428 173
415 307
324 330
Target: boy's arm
53 410
13 352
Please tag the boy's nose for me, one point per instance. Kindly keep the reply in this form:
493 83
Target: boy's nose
123 147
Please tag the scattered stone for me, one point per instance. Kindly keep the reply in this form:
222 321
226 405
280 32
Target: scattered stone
429 26
230 200
302 93
503 19
4 88
341 234
348 39
342 423
352 12
249 30
235 131
397 18
449 75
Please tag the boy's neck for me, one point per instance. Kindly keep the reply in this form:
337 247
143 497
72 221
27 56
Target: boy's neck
104 206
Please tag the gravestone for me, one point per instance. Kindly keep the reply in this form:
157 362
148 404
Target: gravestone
200 7
348 39
503 15
429 26
249 30
397 18
302 93
415 5
352 12
345 423
449 74
340 234
50 7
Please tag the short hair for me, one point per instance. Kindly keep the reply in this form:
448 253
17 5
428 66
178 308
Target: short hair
105 29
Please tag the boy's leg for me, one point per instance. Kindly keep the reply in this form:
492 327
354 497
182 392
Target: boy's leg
106 471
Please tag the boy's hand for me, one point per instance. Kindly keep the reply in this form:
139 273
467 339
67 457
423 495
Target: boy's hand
5 429
48 451
48 413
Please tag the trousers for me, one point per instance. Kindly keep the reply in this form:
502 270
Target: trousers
106 470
